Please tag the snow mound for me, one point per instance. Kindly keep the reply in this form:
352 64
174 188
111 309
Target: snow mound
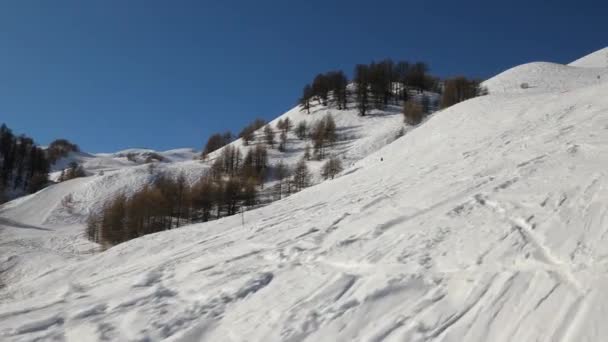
540 77
598 59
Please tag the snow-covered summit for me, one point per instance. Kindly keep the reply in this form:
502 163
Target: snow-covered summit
597 59
538 77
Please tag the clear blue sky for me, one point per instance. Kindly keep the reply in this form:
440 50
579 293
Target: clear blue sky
114 74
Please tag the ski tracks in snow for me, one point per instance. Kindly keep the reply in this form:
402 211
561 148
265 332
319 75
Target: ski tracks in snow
526 231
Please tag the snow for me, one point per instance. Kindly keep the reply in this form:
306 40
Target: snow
597 59
94 163
485 223
562 78
175 155
91 163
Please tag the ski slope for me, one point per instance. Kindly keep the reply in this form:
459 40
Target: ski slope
485 223
50 224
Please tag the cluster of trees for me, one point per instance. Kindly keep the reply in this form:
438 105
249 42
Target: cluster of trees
376 84
331 85
284 126
233 182
24 166
323 134
166 204
331 168
290 180
247 134
73 171
171 202
455 90
379 83
459 89
234 178
219 140
413 112
252 167
269 136
60 148
215 142
254 164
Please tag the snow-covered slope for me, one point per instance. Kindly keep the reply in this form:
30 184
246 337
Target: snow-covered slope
50 224
126 171
56 216
357 136
485 223
541 77
598 59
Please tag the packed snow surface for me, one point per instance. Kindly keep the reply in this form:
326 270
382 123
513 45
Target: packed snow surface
488 222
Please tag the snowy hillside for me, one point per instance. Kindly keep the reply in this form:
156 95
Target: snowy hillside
562 78
127 171
485 223
598 59
357 136
61 210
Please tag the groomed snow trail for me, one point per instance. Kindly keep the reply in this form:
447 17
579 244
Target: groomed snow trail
486 223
